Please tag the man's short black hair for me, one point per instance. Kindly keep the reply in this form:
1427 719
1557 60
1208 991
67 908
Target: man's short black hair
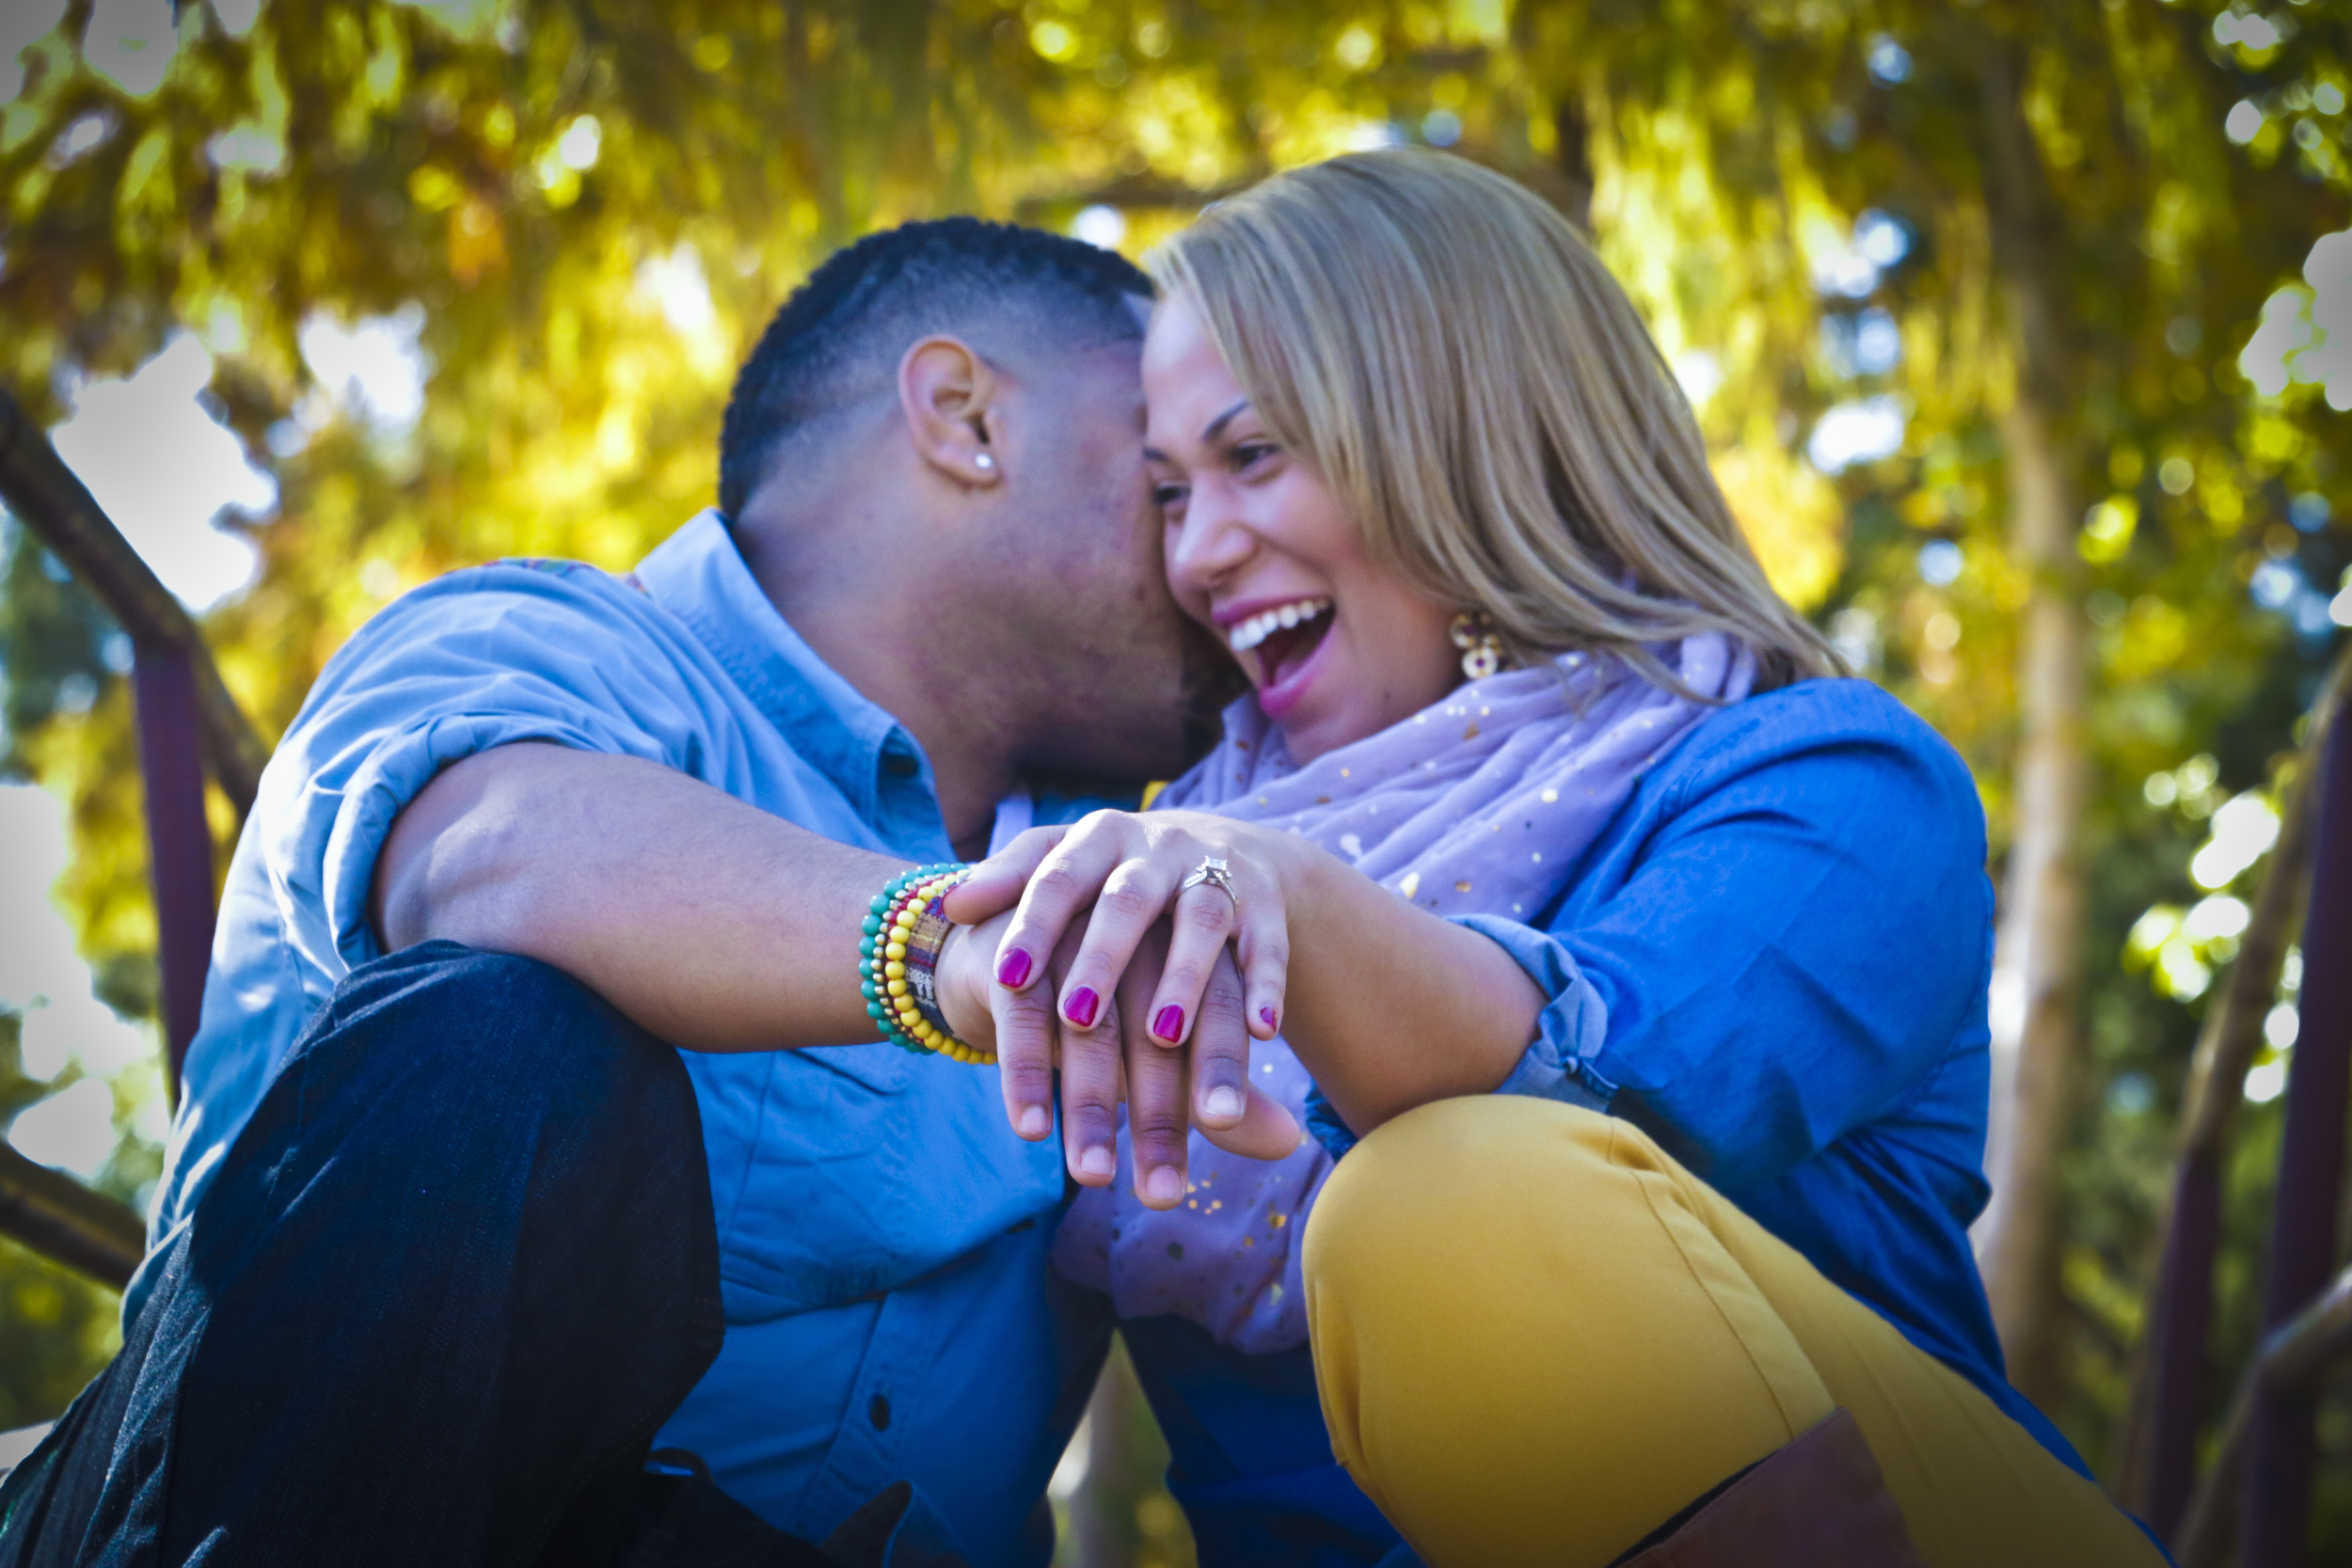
839 337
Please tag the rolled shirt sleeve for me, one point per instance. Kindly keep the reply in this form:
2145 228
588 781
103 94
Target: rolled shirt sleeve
1570 1029
489 657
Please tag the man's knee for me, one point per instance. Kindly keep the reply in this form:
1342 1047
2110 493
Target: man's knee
510 1029
444 985
441 1075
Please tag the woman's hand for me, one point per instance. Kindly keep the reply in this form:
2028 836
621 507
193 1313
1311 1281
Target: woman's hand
1123 871
1109 1061
1123 874
1388 1005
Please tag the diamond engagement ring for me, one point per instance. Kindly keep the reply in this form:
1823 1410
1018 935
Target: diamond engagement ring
1214 873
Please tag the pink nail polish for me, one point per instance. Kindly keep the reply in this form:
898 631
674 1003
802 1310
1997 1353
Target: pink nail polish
1080 1008
1265 1016
1012 970
1169 1025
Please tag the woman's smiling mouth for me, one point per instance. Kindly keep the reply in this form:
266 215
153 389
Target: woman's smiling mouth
1275 643
1249 633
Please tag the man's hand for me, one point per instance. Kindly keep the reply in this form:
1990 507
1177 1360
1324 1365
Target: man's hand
1163 1080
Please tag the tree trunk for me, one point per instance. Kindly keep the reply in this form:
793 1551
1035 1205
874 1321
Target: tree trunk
1121 1513
1572 151
2038 951
1099 1514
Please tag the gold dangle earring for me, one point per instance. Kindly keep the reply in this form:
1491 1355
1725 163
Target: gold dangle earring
1473 632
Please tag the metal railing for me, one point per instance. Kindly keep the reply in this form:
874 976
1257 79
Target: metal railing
188 725
2288 1365
2268 1449
187 722
63 1220
2282 1446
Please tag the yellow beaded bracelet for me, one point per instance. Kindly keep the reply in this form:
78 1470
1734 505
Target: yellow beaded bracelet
905 929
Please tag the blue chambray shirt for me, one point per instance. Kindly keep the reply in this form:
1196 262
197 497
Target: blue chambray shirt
882 1233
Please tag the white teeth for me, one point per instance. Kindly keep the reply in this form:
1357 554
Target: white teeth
1249 634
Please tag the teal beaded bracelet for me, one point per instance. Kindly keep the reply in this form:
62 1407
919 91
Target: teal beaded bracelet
898 946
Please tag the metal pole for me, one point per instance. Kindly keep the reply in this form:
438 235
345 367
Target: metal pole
179 841
56 1215
2179 1328
2156 1465
2311 1172
187 720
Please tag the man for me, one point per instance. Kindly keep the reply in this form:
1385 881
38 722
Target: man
449 1233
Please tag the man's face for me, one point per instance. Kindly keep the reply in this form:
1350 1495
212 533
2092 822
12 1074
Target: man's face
1135 681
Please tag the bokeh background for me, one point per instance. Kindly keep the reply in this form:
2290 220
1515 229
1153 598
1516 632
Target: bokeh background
2021 334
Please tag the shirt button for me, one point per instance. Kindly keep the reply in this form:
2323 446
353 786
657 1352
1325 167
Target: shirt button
899 765
879 1413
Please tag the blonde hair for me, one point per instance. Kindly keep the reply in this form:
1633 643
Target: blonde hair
1447 350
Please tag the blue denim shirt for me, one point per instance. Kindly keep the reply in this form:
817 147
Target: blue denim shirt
882 1232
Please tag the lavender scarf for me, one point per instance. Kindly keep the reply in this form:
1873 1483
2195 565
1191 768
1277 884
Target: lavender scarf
1477 805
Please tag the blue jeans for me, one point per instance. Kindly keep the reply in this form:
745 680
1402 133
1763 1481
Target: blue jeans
454 1276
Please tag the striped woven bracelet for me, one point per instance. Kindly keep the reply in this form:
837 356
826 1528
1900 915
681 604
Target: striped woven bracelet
905 929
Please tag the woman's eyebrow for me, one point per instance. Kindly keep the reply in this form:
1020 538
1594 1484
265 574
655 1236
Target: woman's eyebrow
1217 426
1208 436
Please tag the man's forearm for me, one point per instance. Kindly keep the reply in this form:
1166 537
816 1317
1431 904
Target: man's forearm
710 923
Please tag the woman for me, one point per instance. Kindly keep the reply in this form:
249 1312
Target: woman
1648 963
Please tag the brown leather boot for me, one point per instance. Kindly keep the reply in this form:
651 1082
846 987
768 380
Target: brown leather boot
1820 1502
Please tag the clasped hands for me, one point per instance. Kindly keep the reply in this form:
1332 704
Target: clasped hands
1086 952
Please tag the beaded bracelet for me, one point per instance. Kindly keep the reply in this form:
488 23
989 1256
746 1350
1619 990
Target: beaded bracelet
903 932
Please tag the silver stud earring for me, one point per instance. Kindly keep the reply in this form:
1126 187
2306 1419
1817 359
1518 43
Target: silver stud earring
984 462
1472 631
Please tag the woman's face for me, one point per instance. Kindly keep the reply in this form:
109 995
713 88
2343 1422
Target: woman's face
1260 551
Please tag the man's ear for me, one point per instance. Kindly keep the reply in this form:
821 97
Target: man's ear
948 394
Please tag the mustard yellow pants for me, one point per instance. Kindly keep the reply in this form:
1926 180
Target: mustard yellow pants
1537 1338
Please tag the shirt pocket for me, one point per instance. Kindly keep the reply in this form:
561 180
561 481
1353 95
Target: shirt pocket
878 1065
848 1188
825 1154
